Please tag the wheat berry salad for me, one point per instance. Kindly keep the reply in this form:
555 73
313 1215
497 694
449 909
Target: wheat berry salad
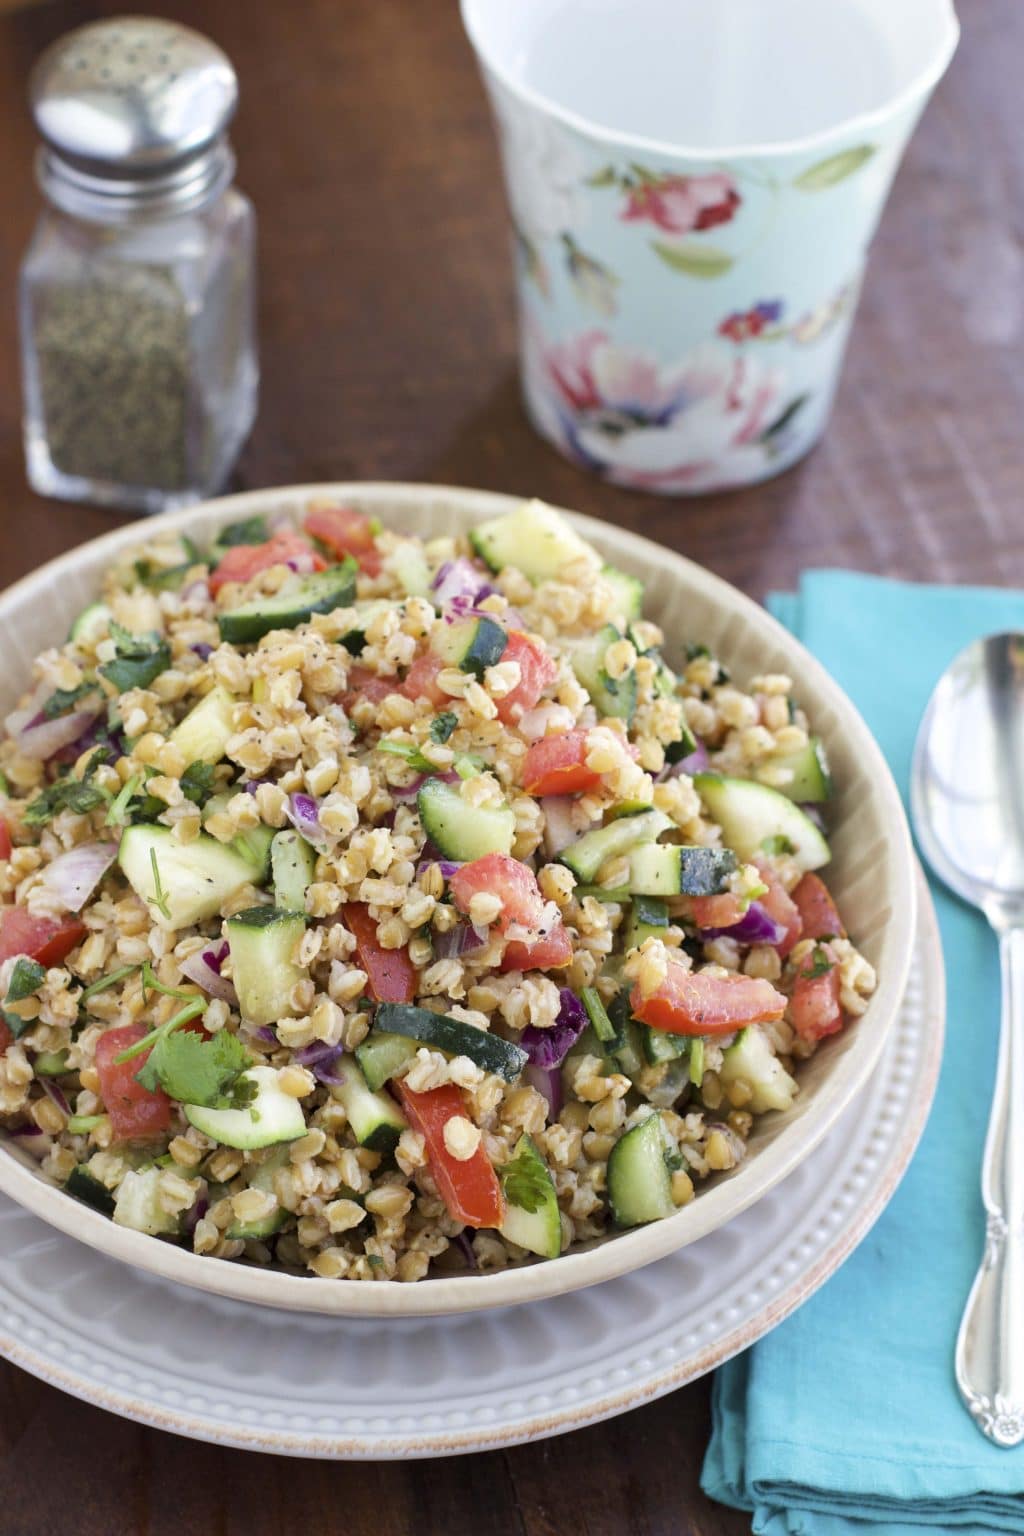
384 908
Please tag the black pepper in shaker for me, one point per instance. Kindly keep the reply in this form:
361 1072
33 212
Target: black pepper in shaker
137 291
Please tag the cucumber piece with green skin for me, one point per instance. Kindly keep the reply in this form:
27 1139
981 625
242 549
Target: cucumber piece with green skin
675 751
137 1204
676 1080
647 916
262 1177
539 1230
626 1047
203 735
629 593
292 867
471 645
460 830
320 593
409 565
616 697
658 1045
376 1120
91 624
665 869
355 639
195 879
454 1037
586 855
85 1186
639 1183
534 538
748 813
50 1064
750 1060
382 1054
252 845
272 1116
811 782
262 941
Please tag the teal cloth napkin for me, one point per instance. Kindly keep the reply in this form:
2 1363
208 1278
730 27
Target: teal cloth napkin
846 1418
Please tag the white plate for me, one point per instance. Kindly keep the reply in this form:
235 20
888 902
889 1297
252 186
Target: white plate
352 1388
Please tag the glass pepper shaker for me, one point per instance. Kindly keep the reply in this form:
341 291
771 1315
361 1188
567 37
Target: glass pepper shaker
137 292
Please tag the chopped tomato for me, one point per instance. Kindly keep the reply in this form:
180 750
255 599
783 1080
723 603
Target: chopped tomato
345 532
557 765
723 911
695 1003
470 1187
814 1005
817 910
6 846
46 939
547 954
780 905
537 671
364 684
421 679
135 1113
244 561
391 974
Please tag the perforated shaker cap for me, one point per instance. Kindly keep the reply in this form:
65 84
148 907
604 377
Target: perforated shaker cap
133 112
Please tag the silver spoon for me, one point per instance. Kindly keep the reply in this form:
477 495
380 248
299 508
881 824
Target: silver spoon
967 804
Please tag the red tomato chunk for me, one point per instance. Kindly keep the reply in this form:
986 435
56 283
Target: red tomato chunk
46 939
469 1188
244 561
689 1003
135 1113
345 532
391 974
556 765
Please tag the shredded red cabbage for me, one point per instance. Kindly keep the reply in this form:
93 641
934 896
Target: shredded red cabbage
756 926
321 1060
696 762
548 1083
549 1047
304 814
202 650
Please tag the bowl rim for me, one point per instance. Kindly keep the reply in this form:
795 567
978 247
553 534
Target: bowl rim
608 1257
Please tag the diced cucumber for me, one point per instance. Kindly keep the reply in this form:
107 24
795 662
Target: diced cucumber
586 855
262 1177
639 1183
50 1064
85 1186
92 623
629 593
293 865
664 869
272 1116
535 538
195 879
320 593
673 1083
253 844
748 813
471 645
376 1120
205 731
613 697
263 941
453 1036
750 1060
381 1055
675 751
647 916
659 1045
626 1049
410 566
538 1230
138 1204
460 830
355 639
811 782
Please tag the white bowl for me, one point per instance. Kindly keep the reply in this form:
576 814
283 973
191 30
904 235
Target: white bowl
872 878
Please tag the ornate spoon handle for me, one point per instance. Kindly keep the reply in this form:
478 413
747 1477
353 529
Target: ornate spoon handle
990 1344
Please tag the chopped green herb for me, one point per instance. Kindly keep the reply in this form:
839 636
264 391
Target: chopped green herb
162 578
151 983
67 794
697 1061
375 1259
102 983
160 899
81 1125
251 530
821 963
777 844
26 978
412 754
15 1024
119 812
197 782
597 1013
197 1071
140 659
526 1182
442 725
674 1159
469 765
66 698
190 1011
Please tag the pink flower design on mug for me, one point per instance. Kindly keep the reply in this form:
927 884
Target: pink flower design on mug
681 205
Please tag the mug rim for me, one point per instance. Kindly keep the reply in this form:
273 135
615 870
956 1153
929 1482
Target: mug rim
920 85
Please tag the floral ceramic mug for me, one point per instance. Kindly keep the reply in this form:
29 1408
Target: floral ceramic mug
693 189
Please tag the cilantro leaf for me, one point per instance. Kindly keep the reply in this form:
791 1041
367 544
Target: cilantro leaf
162 578
251 530
67 794
821 964
64 699
15 1024
139 659
197 782
442 725
26 978
102 983
198 1071
525 1179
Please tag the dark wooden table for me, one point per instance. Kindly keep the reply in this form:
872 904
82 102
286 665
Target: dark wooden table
388 352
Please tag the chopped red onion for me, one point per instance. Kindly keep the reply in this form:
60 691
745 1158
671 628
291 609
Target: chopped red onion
696 762
303 564
267 1033
756 926
204 969
197 1210
41 741
410 791
464 1243
457 578
51 1089
321 1059
73 876
549 1047
196 592
548 1083
202 649
33 1141
446 866
558 828
458 941
304 814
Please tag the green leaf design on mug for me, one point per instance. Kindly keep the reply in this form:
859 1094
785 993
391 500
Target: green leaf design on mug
836 168
694 258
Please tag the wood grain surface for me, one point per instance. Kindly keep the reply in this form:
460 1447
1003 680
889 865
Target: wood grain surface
388 352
